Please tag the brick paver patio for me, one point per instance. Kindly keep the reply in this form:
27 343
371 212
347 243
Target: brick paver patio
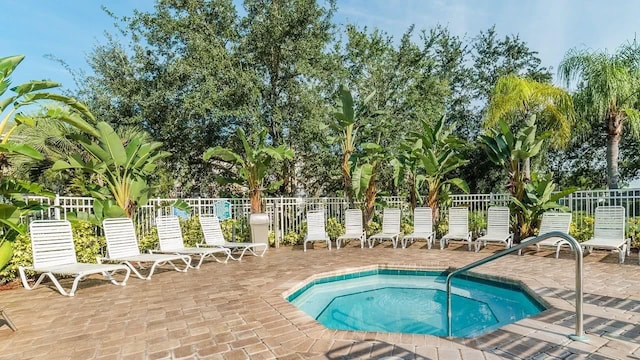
237 311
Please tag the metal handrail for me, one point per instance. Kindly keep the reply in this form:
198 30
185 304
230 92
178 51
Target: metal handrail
575 245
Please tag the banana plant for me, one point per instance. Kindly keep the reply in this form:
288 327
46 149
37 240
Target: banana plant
512 151
364 178
439 157
122 170
529 193
250 167
539 196
347 122
407 168
16 205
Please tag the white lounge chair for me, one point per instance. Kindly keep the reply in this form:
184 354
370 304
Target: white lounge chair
390 228
316 229
458 227
54 253
422 227
608 232
497 228
552 221
213 236
171 242
122 247
353 228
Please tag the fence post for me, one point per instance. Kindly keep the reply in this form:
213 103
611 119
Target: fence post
199 206
56 209
159 209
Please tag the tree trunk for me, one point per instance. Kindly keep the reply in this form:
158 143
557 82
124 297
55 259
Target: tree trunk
614 125
434 204
413 198
346 175
369 201
255 195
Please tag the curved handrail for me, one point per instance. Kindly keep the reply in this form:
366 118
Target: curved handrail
575 245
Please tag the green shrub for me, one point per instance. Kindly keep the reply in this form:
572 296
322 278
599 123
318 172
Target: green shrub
406 228
191 231
581 227
88 245
291 238
334 228
477 222
22 256
442 227
633 231
374 228
272 238
241 228
149 241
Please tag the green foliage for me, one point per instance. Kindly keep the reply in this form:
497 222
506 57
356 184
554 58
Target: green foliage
192 231
124 170
606 97
442 226
406 227
477 222
439 155
540 196
581 227
252 165
15 207
291 238
373 228
516 99
633 231
149 241
334 228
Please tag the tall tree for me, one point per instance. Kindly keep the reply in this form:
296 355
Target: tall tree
179 80
283 42
608 94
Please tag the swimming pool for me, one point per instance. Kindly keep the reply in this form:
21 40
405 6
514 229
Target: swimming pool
407 301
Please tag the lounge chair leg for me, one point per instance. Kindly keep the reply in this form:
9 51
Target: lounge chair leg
5 316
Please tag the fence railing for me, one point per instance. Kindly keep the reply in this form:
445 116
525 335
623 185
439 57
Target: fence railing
288 214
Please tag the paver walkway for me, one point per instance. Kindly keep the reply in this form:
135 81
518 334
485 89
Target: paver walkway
236 311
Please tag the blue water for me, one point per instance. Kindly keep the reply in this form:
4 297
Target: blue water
415 304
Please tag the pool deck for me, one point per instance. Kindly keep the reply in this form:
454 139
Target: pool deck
237 311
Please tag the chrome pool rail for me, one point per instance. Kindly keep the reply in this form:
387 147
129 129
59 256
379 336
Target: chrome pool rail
577 249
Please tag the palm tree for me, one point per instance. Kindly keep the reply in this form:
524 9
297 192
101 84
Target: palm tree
607 92
516 100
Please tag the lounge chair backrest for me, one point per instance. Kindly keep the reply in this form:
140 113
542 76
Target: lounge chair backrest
169 233
121 238
353 221
609 223
459 220
555 221
315 223
52 243
498 220
211 230
391 221
422 220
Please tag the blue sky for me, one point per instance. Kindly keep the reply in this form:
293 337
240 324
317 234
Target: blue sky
69 29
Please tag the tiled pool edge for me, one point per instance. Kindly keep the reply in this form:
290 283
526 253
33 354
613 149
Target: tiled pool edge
395 269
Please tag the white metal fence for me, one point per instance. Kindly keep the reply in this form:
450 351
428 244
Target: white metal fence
288 214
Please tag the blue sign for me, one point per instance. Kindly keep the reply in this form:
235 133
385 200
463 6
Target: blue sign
182 214
222 209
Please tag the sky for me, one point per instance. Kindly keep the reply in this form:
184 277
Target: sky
70 29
